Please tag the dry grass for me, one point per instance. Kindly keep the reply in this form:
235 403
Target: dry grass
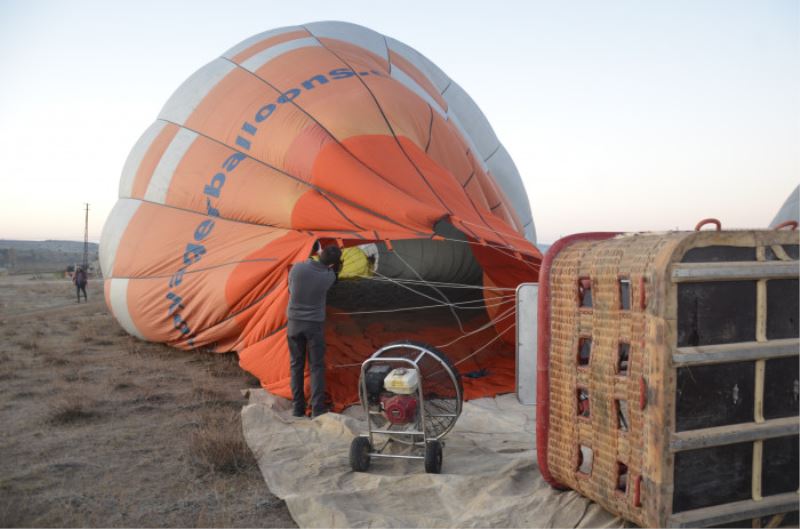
102 429
218 445
12 514
29 343
74 408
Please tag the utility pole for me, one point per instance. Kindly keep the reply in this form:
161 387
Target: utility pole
86 240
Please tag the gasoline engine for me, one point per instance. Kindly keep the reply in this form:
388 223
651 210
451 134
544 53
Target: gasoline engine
412 395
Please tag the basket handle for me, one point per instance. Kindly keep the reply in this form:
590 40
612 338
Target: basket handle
786 224
703 222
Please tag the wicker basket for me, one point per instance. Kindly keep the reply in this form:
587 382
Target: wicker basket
667 374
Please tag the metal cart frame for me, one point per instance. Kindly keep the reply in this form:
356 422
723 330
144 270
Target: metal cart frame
420 429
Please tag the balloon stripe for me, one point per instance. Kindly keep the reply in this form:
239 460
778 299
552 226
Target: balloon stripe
119 306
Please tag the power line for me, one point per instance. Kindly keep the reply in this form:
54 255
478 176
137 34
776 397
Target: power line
86 240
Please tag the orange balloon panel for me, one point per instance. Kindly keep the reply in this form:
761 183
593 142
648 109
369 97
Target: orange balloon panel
327 132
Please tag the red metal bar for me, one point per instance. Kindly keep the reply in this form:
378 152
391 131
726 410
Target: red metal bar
642 294
703 222
786 224
642 393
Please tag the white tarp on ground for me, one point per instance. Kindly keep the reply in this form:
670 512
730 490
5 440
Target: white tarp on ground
489 477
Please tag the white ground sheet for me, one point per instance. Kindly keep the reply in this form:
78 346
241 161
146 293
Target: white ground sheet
489 477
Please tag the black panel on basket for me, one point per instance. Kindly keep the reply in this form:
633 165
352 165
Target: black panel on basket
623 417
623 358
712 476
714 395
584 351
624 293
789 520
585 292
716 312
781 387
715 254
790 249
780 471
782 309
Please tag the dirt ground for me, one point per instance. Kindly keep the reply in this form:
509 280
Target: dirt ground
101 429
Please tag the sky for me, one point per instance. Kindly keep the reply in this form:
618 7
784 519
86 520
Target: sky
620 115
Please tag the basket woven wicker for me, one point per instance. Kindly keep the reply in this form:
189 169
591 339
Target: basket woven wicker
653 353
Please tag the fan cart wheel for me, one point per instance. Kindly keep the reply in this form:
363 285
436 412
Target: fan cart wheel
433 457
359 454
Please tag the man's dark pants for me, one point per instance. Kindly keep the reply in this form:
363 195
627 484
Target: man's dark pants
311 335
79 289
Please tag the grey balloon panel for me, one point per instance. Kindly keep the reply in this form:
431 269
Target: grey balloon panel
790 209
530 232
435 75
491 151
448 261
255 39
444 261
505 173
472 119
346 31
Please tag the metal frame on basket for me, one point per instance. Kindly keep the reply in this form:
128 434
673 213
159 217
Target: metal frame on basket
420 430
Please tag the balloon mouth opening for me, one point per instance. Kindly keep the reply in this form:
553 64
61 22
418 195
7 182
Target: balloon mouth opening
429 289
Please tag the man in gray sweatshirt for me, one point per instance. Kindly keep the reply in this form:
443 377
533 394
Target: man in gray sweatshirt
309 282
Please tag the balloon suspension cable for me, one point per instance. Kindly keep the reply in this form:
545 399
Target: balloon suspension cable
502 316
484 346
483 226
481 348
444 298
459 305
499 249
436 283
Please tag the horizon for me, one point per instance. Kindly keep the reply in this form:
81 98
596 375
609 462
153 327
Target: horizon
587 98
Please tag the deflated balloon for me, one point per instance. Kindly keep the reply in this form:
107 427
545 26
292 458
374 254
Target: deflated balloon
325 133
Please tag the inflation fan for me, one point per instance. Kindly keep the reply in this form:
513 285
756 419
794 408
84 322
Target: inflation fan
411 394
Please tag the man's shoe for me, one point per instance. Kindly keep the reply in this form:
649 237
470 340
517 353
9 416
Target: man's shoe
298 413
317 413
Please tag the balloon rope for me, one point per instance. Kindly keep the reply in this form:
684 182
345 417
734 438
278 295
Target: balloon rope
499 249
484 346
504 234
437 283
444 298
504 315
460 305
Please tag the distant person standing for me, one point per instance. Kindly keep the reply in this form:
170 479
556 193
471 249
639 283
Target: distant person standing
309 282
80 280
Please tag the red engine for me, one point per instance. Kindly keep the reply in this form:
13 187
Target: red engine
399 409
